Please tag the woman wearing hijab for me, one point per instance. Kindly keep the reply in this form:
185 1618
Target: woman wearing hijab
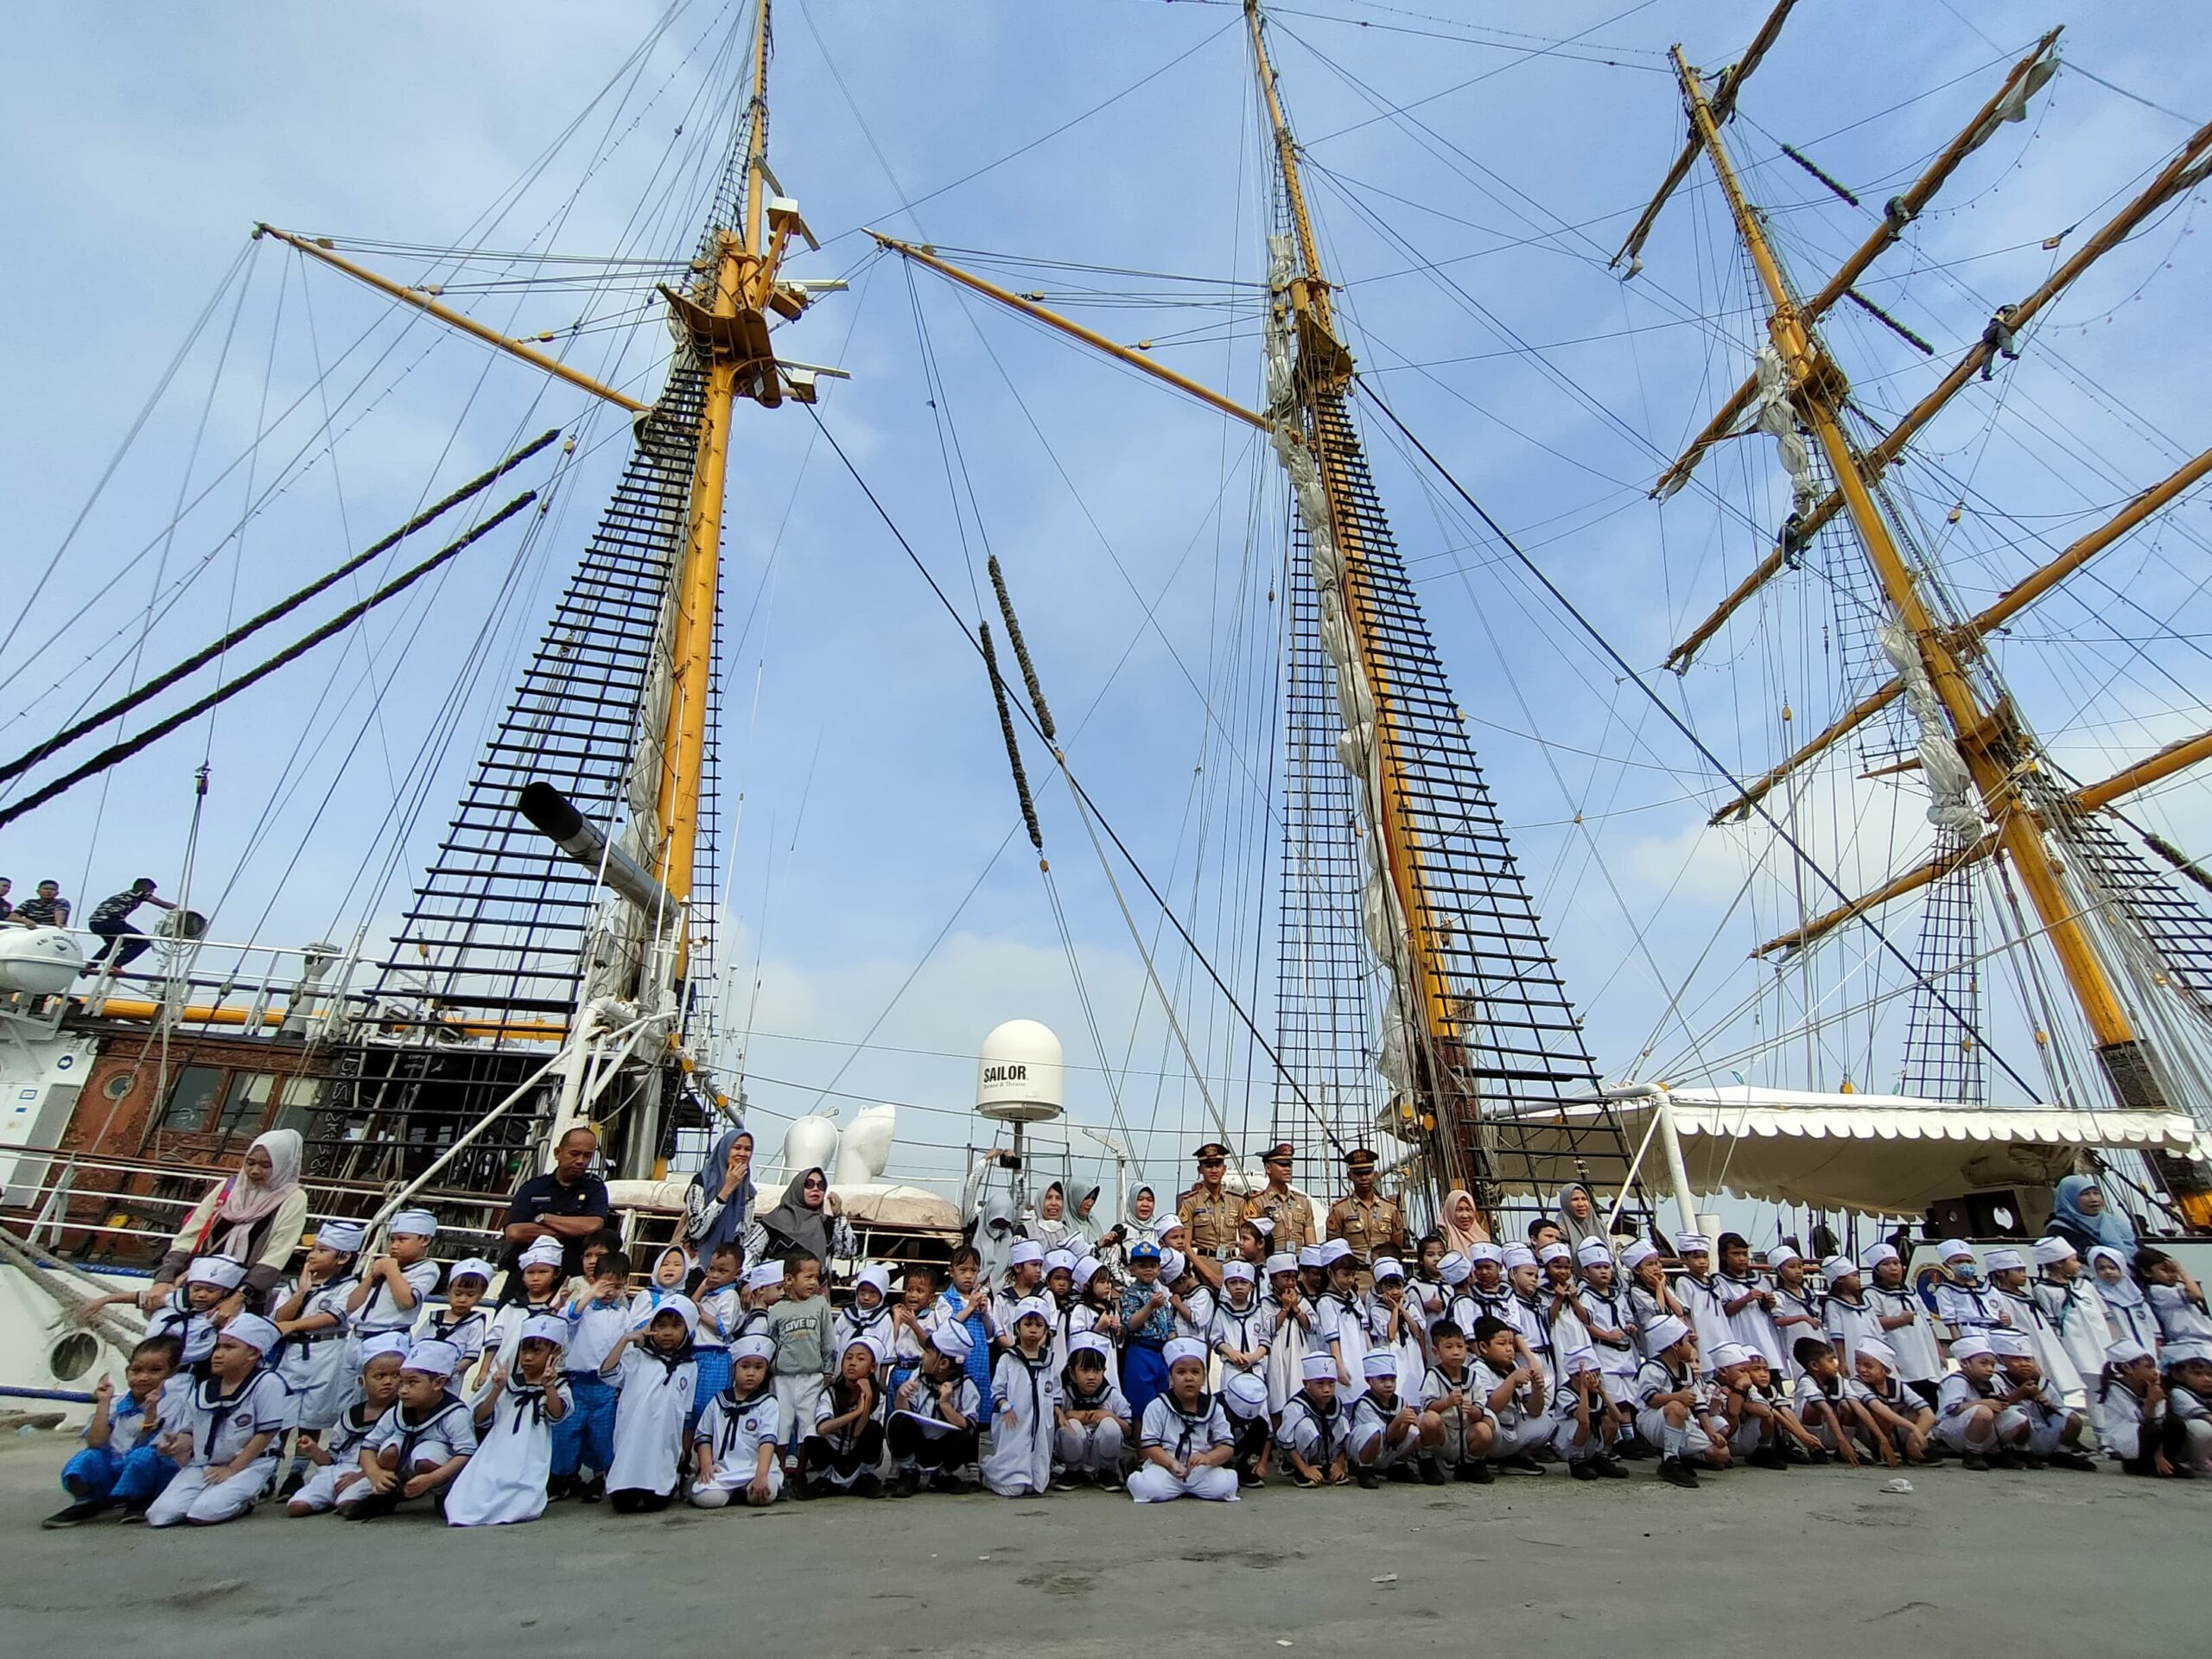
808 1218
255 1216
1050 1227
2125 1304
1579 1216
1085 1223
719 1202
2084 1220
1462 1222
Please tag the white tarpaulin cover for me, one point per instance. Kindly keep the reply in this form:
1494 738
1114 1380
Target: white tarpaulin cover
1879 1154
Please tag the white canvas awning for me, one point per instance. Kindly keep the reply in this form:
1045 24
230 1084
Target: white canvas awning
1878 1155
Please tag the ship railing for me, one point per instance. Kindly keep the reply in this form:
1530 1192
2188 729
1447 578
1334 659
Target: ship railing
218 982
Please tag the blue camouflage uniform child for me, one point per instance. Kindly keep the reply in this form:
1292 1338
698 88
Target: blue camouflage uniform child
122 1465
585 1437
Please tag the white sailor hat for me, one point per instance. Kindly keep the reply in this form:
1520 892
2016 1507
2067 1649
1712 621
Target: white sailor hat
542 1253
1183 1348
1057 1260
1334 1251
1089 1342
473 1266
682 1306
1315 1367
377 1343
875 1348
1635 1254
545 1327
1173 1265
1693 1244
1874 1348
1552 1252
1664 1333
1379 1362
1518 1256
761 1274
1879 1254
1838 1267
419 1223
1483 1251
1237 1269
1454 1268
1025 1251
2054 1248
1724 1354
1387 1267
757 1346
1086 1269
1282 1261
1585 1359
217 1270
1972 1347
253 1330
2126 1351
876 1274
1263 1225
1032 1307
1245 1393
1592 1251
2187 1351
1781 1254
948 1337
343 1236
1952 1249
2011 1345
2006 1261
432 1358
1309 1255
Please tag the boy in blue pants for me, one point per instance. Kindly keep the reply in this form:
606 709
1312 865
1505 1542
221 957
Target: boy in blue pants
122 1465
585 1437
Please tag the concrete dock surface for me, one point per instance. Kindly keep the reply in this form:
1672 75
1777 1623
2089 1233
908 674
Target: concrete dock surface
1809 1561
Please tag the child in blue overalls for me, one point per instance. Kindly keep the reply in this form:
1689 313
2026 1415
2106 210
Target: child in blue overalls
585 1437
122 1465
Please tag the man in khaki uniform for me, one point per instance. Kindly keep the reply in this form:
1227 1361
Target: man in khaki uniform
1372 1224
1291 1215
1211 1213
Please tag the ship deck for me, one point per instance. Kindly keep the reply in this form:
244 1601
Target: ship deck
2004 1562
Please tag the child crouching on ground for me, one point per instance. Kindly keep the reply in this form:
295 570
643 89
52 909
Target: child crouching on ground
339 1483
932 1431
122 1465
2188 1405
1186 1443
506 1480
1385 1431
843 1448
420 1444
2055 1429
734 1458
1456 1429
1093 1419
2132 1409
1312 1431
1668 1403
226 1436
1903 1418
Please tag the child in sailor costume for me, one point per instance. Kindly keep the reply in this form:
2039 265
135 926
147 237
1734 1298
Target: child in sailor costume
464 1323
1703 1297
1964 1301
537 1286
2067 1297
1340 1323
1094 1418
1582 1418
843 1449
1186 1442
1290 1330
1515 1390
1384 1433
227 1435
1974 1417
1607 1320
597 1325
1902 1418
506 1480
339 1482
735 1455
1456 1428
1797 1311
389 1294
2008 1277
121 1463
422 1445
936 1415
1650 1297
1669 1402
660 1378
1850 1318
1394 1326
1749 1303
314 1323
188 1314
1905 1323
1244 1399
2055 1429
2188 1384
2132 1409
2126 1305
719 1302
1240 1332
1311 1432
869 1314
1025 1406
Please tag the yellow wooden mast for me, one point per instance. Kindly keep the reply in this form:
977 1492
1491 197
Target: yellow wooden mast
1989 739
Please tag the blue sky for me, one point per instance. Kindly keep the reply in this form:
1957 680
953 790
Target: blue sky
1139 531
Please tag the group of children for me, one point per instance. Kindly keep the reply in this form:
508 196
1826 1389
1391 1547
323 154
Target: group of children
359 1394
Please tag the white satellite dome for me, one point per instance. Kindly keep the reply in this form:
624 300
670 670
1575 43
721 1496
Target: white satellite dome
44 962
810 1143
1021 1076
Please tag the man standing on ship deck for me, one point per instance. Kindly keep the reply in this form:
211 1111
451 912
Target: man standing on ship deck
1291 1215
1372 1224
1211 1213
567 1205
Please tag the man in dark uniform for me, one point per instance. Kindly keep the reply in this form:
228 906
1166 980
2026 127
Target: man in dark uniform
1372 1224
1211 1213
1291 1215
567 1205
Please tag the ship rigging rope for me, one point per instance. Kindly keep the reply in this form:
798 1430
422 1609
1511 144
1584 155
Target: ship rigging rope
1804 857
284 606
1243 1014
118 751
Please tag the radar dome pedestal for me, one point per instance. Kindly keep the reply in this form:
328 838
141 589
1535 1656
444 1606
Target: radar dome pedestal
1020 1077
